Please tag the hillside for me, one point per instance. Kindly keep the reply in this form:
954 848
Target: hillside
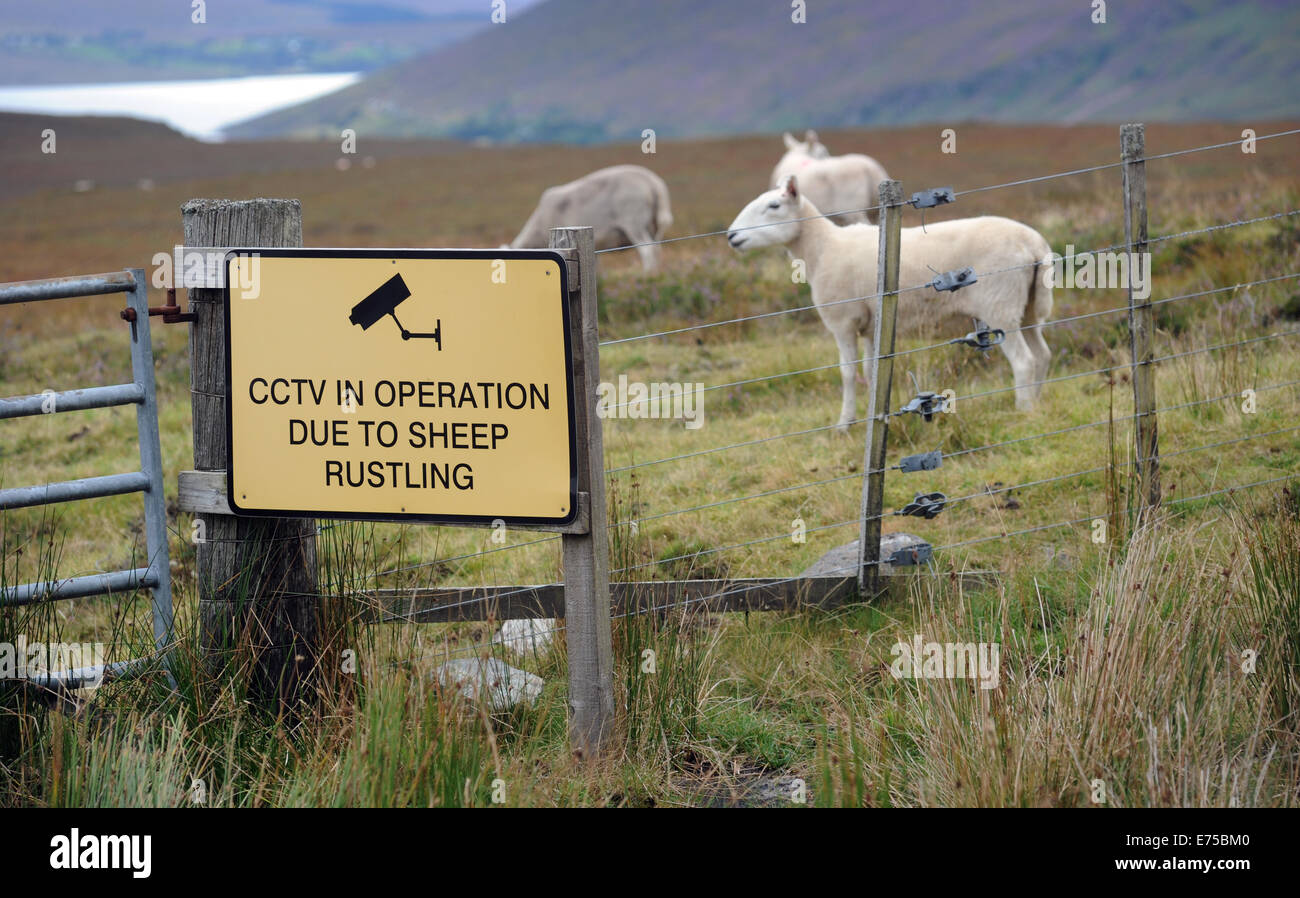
116 152
76 41
579 71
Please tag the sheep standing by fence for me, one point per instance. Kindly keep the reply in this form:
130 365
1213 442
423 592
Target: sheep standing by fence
625 205
835 184
841 269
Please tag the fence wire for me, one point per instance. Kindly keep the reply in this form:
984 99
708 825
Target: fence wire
850 476
555 627
692 557
978 275
971 190
854 476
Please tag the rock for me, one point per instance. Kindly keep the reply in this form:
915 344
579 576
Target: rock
842 561
838 562
526 636
1058 557
767 791
504 686
751 791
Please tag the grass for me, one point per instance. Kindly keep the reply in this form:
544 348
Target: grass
738 706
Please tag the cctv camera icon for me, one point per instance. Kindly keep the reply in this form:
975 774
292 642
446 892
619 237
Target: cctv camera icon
384 302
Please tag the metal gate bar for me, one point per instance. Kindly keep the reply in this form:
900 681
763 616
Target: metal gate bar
148 480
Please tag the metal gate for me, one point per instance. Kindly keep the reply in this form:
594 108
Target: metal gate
156 575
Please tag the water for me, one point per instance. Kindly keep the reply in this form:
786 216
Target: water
197 108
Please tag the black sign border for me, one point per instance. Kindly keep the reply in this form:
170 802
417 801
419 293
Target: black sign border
366 253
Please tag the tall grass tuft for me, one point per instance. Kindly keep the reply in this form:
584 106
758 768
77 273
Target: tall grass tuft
409 745
1138 700
663 655
1273 546
26 557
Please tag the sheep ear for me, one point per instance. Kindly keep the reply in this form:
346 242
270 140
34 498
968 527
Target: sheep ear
790 142
790 187
810 136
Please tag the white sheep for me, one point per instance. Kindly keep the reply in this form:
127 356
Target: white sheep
625 205
835 184
840 263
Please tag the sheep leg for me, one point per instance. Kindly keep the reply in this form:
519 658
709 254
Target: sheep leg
867 357
646 248
649 257
1023 367
847 341
1042 357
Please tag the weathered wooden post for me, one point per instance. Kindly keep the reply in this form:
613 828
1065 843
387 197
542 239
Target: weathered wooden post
586 555
257 576
1140 319
881 366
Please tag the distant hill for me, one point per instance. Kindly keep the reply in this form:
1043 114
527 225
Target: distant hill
584 71
76 41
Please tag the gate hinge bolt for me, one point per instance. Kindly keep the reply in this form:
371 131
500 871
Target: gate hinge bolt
171 313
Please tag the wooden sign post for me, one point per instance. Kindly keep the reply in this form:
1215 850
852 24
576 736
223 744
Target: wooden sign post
586 555
444 386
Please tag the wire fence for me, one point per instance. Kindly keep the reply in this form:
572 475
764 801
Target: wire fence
958 193
550 628
632 520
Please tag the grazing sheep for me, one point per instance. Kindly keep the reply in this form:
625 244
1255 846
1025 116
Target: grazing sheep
833 183
626 205
841 264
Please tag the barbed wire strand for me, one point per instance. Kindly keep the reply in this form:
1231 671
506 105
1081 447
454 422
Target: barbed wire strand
1218 146
853 475
556 627
1231 489
619 249
987 491
498 596
990 491
1110 311
956 193
1063 430
979 274
1036 383
1163 358
729 446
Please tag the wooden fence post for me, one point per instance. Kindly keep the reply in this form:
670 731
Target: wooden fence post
1140 320
586 556
257 576
880 382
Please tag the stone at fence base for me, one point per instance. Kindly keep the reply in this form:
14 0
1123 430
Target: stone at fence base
525 636
1059 558
503 686
842 561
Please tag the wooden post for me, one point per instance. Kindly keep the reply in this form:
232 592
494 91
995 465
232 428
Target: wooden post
880 382
586 555
1140 321
257 576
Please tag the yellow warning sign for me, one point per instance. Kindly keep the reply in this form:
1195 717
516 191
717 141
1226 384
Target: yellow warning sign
429 385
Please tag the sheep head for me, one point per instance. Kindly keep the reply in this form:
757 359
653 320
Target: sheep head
811 145
770 219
